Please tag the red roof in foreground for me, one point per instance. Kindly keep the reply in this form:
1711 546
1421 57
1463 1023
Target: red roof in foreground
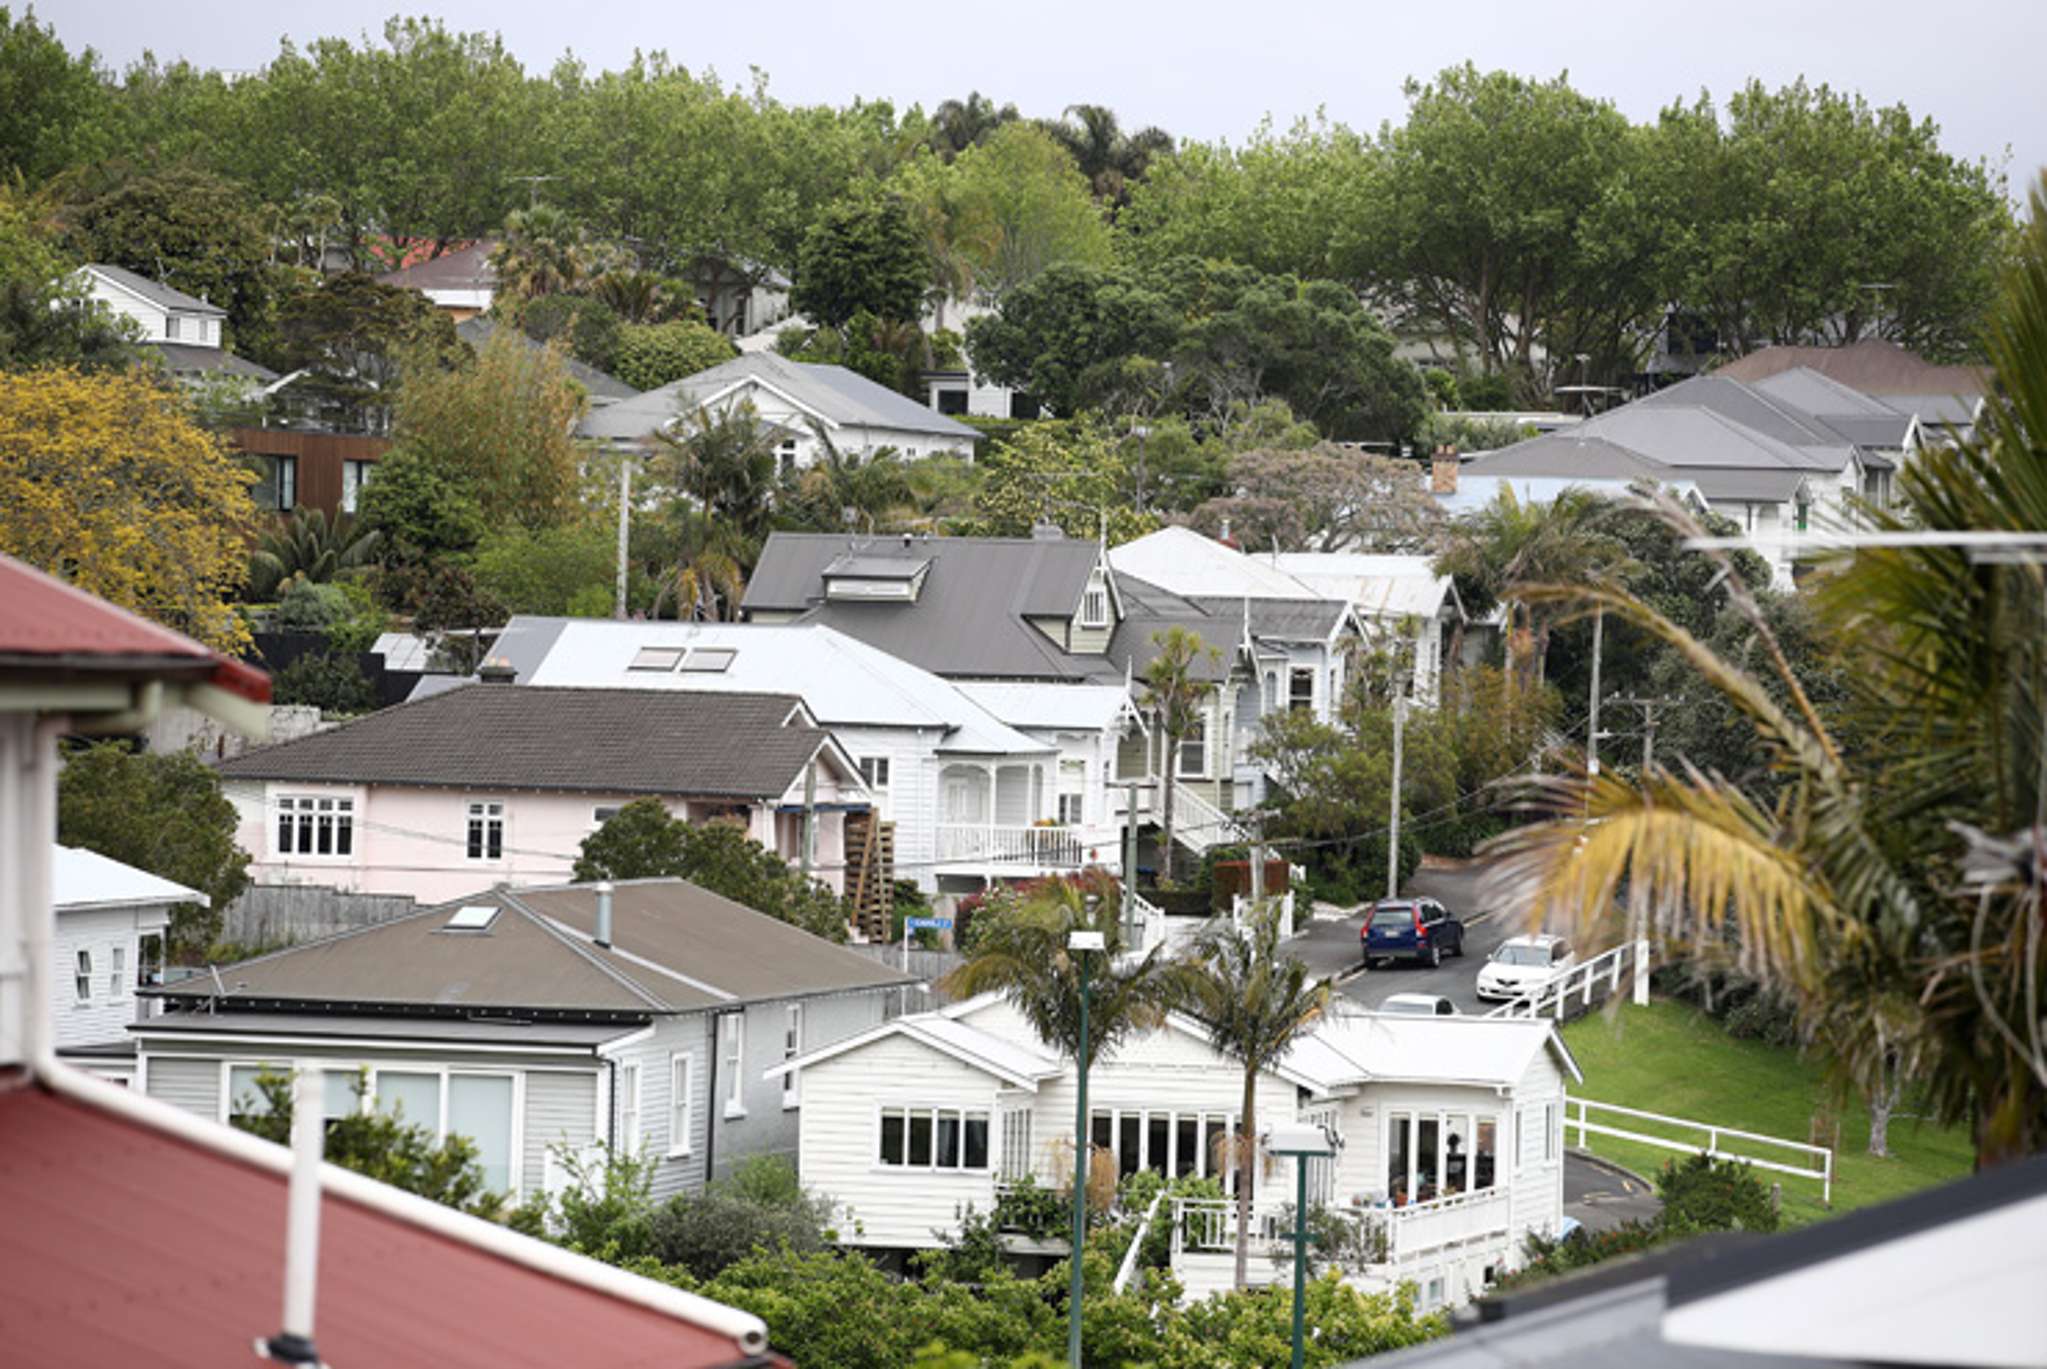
49 626
126 1245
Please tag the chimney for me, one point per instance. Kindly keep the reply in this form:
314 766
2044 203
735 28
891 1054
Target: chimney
496 670
1045 530
1443 470
603 937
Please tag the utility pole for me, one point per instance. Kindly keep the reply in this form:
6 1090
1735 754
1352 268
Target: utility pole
533 184
625 526
1592 730
1393 833
1130 788
1648 707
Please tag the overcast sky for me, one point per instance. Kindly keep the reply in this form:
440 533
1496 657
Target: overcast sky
1205 68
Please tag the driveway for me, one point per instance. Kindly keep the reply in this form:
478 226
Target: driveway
1331 948
1603 1197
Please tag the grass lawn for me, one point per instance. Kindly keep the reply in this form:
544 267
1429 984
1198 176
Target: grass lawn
1671 1058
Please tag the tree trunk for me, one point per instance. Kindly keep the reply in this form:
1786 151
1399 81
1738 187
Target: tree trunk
1247 1155
1882 1100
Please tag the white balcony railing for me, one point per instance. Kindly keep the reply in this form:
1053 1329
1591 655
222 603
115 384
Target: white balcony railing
1376 1237
1027 848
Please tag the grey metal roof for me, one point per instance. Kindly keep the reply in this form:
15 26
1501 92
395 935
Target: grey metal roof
1751 407
1935 410
155 291
1287 620
1688 438
455 1030
1732 463
615 741
836 394
1571 453
465 268
183 358
478 331
676 947
969 619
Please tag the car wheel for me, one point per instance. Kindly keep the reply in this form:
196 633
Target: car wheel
1460 944
1435 957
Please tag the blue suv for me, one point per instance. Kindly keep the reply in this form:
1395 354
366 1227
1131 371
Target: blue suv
1410 929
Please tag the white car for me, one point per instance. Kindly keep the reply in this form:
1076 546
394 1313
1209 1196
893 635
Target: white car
1522 964
1418 1005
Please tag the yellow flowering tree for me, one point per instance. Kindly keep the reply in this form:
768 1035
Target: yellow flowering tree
106 481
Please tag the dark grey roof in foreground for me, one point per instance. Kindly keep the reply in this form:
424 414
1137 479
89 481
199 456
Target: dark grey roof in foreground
613 741
676 948
183 358
478 331
155 291
969 618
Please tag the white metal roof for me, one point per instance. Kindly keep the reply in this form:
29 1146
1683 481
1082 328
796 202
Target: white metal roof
1063 707
1186 563
1026 1065
1357 1048
1376 586
82 879
842 681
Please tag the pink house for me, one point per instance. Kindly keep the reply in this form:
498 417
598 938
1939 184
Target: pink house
490 784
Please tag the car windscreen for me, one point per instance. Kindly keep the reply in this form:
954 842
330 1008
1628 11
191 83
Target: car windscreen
1393 919
1521 955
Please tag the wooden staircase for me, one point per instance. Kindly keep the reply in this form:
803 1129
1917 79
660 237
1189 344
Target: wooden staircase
870 875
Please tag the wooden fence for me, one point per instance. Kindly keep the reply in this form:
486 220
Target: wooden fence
285 914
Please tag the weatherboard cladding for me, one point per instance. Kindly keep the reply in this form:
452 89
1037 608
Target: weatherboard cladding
156 292
839 396
487 736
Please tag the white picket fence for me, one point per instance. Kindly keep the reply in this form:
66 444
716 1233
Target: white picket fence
1820 1168
1603 972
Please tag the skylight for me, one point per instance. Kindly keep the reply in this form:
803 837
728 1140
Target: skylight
710 660
656 658
477 917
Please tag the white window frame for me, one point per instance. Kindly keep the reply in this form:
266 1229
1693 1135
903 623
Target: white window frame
489 813
116 988
874 773
1552 1132
963 1111
732 1059
1197 738
1094 605
301 813
792 1046
631 1094
682 1068
82 979
172 326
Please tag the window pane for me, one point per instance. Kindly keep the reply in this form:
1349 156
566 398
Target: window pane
244 1098
1488 1150
1396 1156
976 1156
1187 1146
1102 1131
920 1138
1457 1157
344 831
337 1093
1214 1140
948 1140
892 1137
480 1107
414 1099
1425 1153
1158 1133
305 829
476 838
1130 1141
284 827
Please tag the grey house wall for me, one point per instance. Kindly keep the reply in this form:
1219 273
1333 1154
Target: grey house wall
689 1035
767 1127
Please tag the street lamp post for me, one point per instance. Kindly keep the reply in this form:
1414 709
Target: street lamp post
1079 944
1304 1141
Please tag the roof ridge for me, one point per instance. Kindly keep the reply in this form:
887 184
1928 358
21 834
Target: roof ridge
546 924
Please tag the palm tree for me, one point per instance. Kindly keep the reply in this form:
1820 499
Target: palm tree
1020 952
311 546
637 296
1509 544
1894 892
1175 692
546 252
1110 158
957 125
1256 1003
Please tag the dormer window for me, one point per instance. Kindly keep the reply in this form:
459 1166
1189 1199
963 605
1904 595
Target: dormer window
1094 606
871 578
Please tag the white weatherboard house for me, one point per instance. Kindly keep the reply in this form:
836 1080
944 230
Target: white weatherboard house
797 400
1451 1130
111 923
181 331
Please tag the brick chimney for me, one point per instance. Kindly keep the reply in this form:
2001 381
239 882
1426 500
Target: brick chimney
1443 470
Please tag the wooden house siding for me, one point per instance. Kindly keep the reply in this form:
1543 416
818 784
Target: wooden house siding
561 1110
320 456
193 1085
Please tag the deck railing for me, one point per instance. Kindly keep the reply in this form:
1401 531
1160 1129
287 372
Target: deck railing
1600 975
1025 847
1369 1237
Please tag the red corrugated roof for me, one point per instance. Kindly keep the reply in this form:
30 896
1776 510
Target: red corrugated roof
45 623
126 1245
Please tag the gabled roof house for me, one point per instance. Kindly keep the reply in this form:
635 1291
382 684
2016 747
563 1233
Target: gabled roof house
461 282
111 923
536 1021
797 400
181 331
487 783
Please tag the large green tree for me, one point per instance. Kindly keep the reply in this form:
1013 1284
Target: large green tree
46 317
864 255
164 813
1058 335
53 105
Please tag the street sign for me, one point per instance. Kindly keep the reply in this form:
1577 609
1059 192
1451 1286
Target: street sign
935 924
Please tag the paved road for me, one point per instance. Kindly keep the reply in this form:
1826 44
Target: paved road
1602 1197
1332 947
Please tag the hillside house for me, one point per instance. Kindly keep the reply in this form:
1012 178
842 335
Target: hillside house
181 332
111 923
1451 1131
536 1021
461 283
489 784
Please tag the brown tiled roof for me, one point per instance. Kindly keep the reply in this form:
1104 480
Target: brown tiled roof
615 741
1872 366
